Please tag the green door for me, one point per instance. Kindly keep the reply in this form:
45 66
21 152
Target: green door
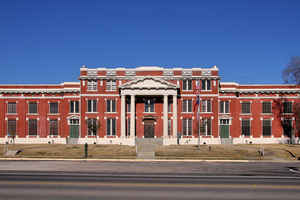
74 131
224 128
224 131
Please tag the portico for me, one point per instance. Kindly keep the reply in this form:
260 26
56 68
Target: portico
148 87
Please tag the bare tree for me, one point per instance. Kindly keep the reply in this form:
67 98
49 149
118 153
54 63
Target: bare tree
291 74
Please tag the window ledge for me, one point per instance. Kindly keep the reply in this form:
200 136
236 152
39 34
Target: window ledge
91 112
11 113
149 112
111 112
32 113
224 113
266 113
74 113
207 112
187 112
53 113
245 113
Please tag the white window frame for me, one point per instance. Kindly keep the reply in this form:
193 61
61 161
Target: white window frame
94 120
188 101
109 130
291 103
110 110
205 133
53 113
74 106
246 113
205 103
249 127
15 103
188 129
92 85
93 110
15 127
262 109
186 83
111 85
37 127
50 127
37 108
147 106
204 85
262 126
222 104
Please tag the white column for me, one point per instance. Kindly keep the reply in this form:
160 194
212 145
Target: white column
132 116
165 118
174 115
123 118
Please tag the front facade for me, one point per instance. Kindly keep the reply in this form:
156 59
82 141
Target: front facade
175 105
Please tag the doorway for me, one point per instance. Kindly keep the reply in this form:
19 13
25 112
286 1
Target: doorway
224 128
149 128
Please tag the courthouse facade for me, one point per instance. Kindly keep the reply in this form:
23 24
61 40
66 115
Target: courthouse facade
175 105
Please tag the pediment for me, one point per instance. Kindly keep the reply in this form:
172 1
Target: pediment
148 83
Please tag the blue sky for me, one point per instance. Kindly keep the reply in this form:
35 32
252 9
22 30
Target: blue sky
47 41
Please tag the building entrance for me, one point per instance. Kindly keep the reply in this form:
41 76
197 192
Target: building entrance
224 128
149 128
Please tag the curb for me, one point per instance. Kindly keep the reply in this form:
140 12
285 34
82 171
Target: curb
140 160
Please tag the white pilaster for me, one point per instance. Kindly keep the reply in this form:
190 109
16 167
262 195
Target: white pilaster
132 116
165 119
123 119
174 115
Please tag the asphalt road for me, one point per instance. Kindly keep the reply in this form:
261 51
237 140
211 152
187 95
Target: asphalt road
148 180
54 185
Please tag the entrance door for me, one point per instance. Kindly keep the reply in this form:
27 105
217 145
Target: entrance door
74 128
149 128
224 128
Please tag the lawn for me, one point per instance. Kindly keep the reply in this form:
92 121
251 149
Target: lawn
206 152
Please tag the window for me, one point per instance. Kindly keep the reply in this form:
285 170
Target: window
187 85
187 127
53 124
74 106
92 105
170 107
11 127
12 107
206 85
92 85
267 127
92 127
111 127
128 127
287 125
149 105
111 85
110 105
224 106
246 129
53 108
32 108
266 107
205 127
246 107
187 105
169 127
205 106
288 107
32 127
128 105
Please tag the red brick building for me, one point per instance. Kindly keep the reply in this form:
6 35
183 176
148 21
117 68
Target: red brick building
165 103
